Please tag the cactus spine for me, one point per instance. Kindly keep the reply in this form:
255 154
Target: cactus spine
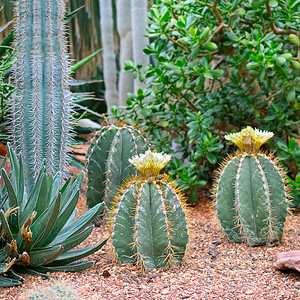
148 220
251 192
40 110
108 165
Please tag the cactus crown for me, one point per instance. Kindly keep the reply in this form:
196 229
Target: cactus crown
249 139
150 163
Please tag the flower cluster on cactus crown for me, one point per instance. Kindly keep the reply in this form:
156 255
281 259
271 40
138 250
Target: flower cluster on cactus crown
249 138
150 163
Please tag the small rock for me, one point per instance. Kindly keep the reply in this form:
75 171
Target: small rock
254 257
217 243
210 252
213 247
287 260
153 276
106 273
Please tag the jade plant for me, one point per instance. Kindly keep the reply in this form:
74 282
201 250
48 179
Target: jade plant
38 231
148 220
108 166
41 107
251 191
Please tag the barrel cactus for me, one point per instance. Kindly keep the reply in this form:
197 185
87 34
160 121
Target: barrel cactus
148 219
108 164
251 191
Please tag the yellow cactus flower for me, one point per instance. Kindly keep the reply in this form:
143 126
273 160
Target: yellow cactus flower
150 163
249 139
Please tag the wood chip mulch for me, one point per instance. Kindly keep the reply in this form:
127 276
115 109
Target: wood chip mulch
214 269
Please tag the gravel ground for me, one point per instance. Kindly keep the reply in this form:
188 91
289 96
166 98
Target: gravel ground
214 269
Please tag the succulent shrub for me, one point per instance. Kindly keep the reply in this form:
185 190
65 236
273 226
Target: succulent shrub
251 191
148 220
41 107
38 231
108 166
217 66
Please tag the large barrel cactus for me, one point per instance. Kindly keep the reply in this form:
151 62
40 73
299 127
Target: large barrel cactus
108 166
148 220
251 192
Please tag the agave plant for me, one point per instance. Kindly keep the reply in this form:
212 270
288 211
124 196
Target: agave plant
38 231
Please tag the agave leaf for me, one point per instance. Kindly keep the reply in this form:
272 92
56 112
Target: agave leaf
4 267
5 252
79 224
28 206
43 197
72 189
56 184
7 282
43 225
76 239
70 256
39 257
4 223
6 42
64 215
75 266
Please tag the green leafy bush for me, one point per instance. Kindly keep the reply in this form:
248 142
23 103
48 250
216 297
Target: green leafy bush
217 66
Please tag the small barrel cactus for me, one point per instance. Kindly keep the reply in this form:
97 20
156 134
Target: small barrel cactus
148 220
251 192
108 166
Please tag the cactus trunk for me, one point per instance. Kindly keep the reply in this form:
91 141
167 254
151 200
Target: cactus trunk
40 110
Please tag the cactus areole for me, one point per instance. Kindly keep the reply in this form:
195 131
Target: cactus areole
251 192
148 221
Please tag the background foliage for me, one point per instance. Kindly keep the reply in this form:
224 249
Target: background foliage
218 66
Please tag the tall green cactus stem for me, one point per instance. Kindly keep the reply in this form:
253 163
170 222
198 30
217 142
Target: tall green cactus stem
40 110
148 220
251 193
108 165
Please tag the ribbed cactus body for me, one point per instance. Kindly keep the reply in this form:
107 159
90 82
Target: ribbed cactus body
251 193
149 223
40 110
108 165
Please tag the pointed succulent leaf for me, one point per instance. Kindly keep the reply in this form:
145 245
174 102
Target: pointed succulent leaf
39 257
64 215
79 224
43 225
74 240
75 266
70 256
5 226
7 281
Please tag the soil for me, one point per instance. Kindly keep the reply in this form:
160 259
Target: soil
214 269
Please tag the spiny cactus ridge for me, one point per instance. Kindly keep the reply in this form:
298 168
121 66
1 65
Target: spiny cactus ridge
108 166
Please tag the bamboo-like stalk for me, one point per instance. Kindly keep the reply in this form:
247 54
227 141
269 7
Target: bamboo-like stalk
139 41
109 57
125 33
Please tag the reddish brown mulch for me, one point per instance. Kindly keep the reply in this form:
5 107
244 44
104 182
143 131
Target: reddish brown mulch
215 269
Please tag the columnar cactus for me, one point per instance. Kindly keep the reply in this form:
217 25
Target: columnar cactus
251 192
40 110
148 220
108 164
